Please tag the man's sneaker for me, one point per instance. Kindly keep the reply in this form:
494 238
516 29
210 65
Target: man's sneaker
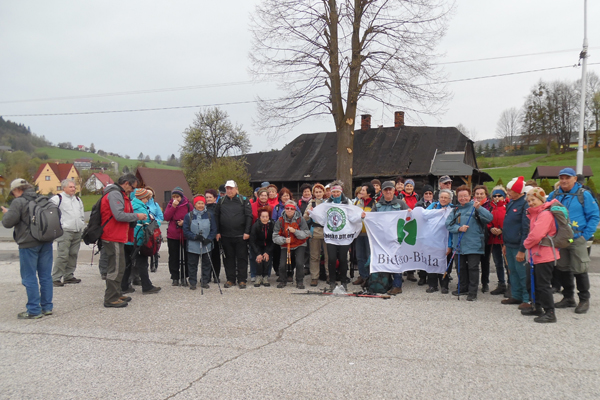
155 289
242 285
394 291
431 289
103 277
252 279
500 289
358 281
471 297
116 304
314 282
228 284
125 298
510 300
130 289
566 302
582 307
58 283
72 280
26 315
300 285
46 312
548 317
281 285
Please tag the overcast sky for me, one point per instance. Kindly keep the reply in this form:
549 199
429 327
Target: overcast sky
51 50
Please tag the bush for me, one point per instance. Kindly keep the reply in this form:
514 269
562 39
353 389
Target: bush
545 184
592 186
222 170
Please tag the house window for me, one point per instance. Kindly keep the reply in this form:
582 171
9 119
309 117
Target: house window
47 178
167 195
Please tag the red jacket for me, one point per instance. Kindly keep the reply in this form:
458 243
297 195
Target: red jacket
410 199
541 225
255 206
116 231
498 211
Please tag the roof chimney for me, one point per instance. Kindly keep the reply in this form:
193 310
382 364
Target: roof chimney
365 122
398 119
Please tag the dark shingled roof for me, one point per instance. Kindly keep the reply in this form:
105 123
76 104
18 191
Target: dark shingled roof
406 151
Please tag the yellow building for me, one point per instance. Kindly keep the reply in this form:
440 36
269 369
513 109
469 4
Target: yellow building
49 176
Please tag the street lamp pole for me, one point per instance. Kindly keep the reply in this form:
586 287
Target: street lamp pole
583 56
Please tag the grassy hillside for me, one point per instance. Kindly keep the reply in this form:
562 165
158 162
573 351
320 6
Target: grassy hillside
507 167
66 155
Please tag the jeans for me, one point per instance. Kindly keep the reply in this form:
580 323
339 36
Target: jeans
36 262
363 252
236 258
518 276
469 273
397 281
499 262
67 250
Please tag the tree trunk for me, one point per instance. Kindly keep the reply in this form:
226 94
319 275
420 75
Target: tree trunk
345 156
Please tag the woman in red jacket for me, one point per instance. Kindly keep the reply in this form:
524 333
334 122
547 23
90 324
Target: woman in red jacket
408 194
542 224
495 239
176 210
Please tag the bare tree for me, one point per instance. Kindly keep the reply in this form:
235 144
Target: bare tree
509 127
562 106
327 55
470 133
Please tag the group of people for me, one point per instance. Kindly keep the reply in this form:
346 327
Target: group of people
273 232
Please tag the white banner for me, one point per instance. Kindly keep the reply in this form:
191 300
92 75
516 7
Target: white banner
342 223
408 240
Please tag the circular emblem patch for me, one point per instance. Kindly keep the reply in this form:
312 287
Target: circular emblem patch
336 219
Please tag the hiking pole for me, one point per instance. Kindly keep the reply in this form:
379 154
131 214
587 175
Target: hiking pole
532 281
92 260
181 261
215 274
201 274
458 246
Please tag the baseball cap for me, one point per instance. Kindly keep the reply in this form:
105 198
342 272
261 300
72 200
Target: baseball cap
567 172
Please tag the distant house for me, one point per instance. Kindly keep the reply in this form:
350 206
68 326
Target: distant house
81 147
83 163
97 182
49 176
163 181
6 148
422 153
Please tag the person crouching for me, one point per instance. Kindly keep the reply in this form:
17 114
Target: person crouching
199 228
261 243
291 233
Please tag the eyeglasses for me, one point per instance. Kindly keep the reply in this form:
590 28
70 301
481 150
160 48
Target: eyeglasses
497 195
290 209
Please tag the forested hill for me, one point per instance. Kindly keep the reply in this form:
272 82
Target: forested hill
19 137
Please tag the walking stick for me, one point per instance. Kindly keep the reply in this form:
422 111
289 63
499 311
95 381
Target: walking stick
288 261
201 274
92 260
215 274
532 281
183 281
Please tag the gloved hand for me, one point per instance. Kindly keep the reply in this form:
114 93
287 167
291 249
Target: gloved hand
206 242
199 237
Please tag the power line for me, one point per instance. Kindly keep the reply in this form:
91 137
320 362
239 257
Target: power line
513 56
254 101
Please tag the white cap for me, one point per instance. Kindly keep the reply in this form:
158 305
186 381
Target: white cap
230 184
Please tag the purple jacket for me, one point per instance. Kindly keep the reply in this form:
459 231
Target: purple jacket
174 214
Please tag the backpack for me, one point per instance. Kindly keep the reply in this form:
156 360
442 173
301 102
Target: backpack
44 220
151 239
580 196
564 232
379 282
93 231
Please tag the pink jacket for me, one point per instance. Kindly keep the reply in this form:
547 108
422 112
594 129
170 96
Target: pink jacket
174 214
541 224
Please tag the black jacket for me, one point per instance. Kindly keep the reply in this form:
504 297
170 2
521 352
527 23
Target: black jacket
258 241
234 216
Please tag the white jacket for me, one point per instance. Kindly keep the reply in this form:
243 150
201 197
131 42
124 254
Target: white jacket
71 208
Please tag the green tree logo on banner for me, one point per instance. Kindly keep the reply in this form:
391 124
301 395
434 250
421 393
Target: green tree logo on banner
407 231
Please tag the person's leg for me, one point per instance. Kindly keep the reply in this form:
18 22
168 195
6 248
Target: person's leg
229 259
519 285
315 258
362 255
485 268
114 273
128 249
44 271
464 273
282 272
583 286
174 258
215 258
445 281
543 289
28 259
73 254
276 257
252 262
515 278
206 269
141 263
103 263
63 245
332 252
473 261
241 248
300 252
343 257
193 260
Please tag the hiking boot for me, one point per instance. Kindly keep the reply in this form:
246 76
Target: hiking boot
300 285
175 282
253 278
411 277
471 297
548 317
137 282
582 307
257 281
130 289
394 291
228 284
26 315
242 285
510 300
72 280
116 304
192 287
445 290
457 293
432 289
46 312
205 286
281 285
122 298
500 289
485 288
525 306
422 281
533 311
58 283
345 285
566 302
332 286
314 282
103 277
265 281
358 281
155 289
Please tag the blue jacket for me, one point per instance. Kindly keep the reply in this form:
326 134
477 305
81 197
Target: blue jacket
516 224
472 241
584 217
155 211
202 222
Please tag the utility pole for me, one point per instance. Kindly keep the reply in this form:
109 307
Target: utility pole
582 56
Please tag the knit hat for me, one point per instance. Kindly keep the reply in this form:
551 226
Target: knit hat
199 198
142 194
178 191
537 192
427 188
261 190
516 185
222 188
376 182
499 190
409 182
